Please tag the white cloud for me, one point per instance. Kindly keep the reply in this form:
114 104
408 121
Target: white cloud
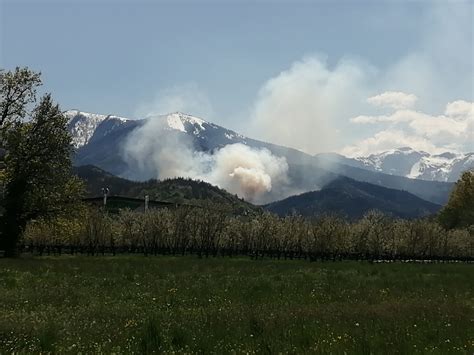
397 116
393 99
386 140
440 129
432 133
460 109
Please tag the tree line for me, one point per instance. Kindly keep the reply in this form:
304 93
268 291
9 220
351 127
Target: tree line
212 232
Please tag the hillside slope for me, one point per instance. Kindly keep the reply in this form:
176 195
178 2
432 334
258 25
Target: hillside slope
179 190
353 199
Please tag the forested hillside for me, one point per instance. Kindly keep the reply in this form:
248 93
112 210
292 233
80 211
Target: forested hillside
178 190
353 199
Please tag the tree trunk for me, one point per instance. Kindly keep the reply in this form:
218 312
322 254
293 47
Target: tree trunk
11 232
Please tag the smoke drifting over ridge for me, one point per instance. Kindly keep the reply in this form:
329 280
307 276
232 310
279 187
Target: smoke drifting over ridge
153 150
301 106
293 109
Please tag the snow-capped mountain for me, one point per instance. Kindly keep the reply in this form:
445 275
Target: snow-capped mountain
414 164
200 129
442 167
100 139
88 127
83 125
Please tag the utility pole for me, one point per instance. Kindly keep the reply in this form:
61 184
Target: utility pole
105 192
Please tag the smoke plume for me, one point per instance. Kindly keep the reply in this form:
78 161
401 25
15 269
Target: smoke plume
302 106
153 151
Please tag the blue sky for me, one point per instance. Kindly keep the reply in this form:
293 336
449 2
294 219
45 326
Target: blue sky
233 62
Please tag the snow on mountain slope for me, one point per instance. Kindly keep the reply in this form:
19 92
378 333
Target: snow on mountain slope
177 120
83 125
89 127
196 126
394 162
417 164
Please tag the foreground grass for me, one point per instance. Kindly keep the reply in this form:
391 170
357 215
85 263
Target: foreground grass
137 304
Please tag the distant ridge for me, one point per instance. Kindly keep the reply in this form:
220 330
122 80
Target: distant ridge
352 199
410 163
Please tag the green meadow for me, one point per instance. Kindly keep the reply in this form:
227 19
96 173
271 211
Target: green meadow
136 304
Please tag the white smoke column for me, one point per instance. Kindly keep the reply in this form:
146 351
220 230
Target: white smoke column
303 106
152 150
248 172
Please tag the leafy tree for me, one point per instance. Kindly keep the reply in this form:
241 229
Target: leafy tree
38 179
17 91
459 212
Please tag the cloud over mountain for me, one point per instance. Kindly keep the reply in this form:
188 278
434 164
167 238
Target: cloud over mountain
453 130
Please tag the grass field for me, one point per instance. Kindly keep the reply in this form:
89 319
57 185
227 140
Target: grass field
188 305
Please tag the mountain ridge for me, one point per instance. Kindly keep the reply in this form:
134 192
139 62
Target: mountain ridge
103 145
352 199
410 163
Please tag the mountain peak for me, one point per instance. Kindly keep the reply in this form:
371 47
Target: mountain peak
83 125
71 114
181 122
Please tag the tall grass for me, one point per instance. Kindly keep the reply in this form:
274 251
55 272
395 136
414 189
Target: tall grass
127 304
